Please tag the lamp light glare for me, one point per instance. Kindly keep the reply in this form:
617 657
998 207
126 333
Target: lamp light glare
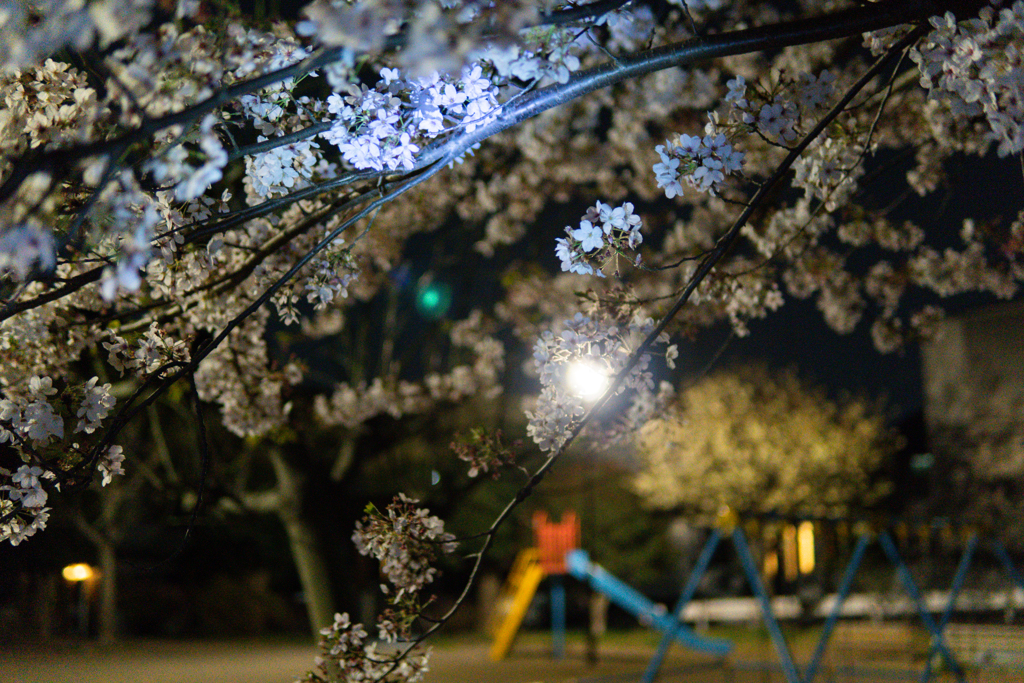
586 380
77 572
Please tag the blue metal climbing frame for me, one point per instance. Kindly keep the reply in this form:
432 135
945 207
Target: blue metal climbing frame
865 537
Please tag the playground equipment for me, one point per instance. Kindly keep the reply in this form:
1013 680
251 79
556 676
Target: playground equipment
530 571
637 604
555 555
547 559
730 527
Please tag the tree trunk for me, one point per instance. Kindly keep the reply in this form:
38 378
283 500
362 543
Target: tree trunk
316 584
106 551
107 608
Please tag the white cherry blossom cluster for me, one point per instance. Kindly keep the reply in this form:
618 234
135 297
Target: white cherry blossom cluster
406 540
773 115
742 298
22 503
282 169
347 653
822 271
30 32
775 111
110 464
484 451
96 405
131 215
25 486
189 181
630 27
548 53
285 168
977 67
31 417
146 353
239 377
602 348
703 163
790 230
352 404
24 247
43 105
32 425
828 171
330 280
384 127
604 234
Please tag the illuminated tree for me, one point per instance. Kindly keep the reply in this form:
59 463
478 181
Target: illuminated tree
755 441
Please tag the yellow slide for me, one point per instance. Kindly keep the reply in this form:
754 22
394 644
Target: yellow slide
515 599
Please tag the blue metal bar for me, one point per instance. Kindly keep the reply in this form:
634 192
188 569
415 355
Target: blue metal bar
844 591
699 569
960 578
739 540
908 582
557 616
954 593
1000 550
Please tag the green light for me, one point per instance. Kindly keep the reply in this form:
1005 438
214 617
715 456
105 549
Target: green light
430 299
433 300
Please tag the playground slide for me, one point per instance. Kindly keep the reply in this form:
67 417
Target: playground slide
522 584
638 605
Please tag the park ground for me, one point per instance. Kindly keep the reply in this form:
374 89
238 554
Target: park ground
456 660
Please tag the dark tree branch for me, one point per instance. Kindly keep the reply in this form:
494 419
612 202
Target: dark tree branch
723 246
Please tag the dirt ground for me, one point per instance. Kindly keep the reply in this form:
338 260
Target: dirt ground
453 662
269 662
276 662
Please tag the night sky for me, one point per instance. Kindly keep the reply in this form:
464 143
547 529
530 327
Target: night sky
797 336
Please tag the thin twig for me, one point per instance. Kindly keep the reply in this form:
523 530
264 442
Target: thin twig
722 247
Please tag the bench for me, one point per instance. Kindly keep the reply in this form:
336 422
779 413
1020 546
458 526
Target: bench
986 644
857 641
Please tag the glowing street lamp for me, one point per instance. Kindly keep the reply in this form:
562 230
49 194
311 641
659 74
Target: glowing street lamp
586 380
78 572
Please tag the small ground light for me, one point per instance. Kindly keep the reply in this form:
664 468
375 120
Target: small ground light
586 380
78 572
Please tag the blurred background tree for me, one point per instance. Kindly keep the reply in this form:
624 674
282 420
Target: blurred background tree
758 441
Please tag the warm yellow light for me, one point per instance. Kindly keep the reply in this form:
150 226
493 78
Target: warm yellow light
586 380
771 564
789 554
78 572
805 546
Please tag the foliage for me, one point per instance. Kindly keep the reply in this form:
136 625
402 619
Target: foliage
755 441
